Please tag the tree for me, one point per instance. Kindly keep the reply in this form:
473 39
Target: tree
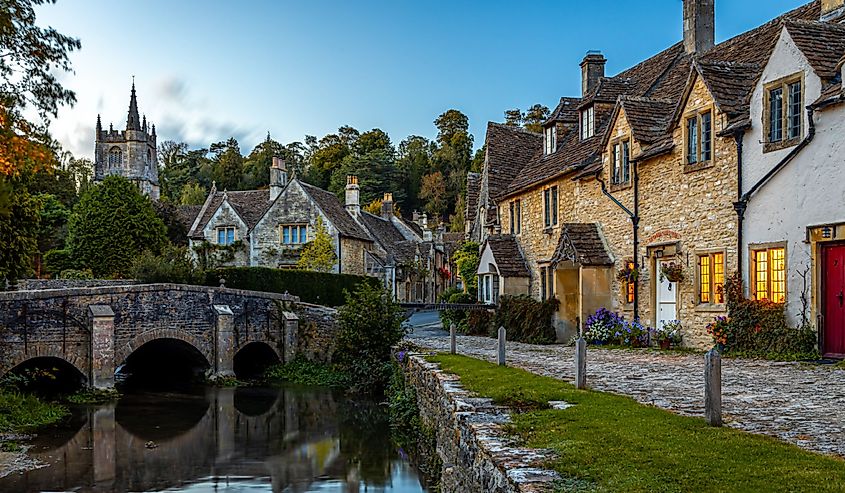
514 117
192 194
52 226
466 259
318 254
535 116
257 164
228 164
112 223
414 161
433 192
19 227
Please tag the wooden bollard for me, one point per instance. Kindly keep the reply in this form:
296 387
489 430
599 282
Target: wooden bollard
580 363
501 358
453 343
713 388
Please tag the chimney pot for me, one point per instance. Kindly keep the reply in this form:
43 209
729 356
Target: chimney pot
699 25
353 203
387 206
592 69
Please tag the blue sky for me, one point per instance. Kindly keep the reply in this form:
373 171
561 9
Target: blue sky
208 70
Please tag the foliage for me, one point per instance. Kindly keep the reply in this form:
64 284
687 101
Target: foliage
311 287
75 274
300 371
606 327
466 259
672 271
177 231
211 255
111 223
526 319
318 254
52 225
457 317
719 329
433 192
56 261
628 274
402 403
481 323
370 324
173 265
613 443
192 194
532 119
19 227
93 396
758 328
671 331
24 412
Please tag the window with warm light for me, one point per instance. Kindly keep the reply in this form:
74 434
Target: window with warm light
630 286
711 278
768 274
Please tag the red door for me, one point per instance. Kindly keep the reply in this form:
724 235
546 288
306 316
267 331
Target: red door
833 289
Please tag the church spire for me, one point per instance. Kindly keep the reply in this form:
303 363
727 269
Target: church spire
133 122
99 127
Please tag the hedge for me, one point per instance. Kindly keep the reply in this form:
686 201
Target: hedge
312 287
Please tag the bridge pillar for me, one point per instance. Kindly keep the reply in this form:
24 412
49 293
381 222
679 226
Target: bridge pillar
290 335
103 447
101 372
224 342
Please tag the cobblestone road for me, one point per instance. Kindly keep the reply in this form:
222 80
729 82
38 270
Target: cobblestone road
801 403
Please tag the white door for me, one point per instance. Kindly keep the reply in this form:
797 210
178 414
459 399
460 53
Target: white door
666 297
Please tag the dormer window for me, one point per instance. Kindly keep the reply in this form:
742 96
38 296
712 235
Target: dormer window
550 139
782 113
699 138
621 163
588 123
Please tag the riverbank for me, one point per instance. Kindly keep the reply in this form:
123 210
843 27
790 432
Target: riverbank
607 442
20 414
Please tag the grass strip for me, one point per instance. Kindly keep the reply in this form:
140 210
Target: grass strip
607 442
25 412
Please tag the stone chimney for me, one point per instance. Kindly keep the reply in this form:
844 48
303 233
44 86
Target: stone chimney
278 177
832 8
353 192
699 25
592 69
387 206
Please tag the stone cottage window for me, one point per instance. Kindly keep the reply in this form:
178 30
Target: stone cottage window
115 157
621 163
588 123
516 217
699 138
629 286
711 278
782 120
226 235
550 139
293 234
768 273
550 206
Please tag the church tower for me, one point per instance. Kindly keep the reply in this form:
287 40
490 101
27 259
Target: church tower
130 153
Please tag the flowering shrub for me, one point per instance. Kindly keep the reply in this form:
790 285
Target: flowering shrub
669 331
719 329
673 271
606 327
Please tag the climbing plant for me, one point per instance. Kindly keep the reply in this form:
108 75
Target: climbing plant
318 255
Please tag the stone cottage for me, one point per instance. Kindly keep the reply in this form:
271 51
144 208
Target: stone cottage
639 174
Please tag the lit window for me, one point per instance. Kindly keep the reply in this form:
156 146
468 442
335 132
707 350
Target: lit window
699 138
621 163
550 139
783 113
768 269
588 123
226 235
629 285
711 278
294 234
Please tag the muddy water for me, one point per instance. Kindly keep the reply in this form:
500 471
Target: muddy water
222 440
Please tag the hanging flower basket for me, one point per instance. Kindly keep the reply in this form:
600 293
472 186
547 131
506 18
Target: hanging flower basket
672 271
627 274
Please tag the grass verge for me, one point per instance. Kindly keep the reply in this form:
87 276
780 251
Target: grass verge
25 412
607 442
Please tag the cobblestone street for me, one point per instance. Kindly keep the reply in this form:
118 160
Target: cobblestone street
801 403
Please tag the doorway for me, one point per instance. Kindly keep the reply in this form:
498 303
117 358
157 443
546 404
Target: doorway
833 292
667 296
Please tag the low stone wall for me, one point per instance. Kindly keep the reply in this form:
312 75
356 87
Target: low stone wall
476 453
317 336
39 284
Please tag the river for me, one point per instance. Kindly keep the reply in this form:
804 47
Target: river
246 439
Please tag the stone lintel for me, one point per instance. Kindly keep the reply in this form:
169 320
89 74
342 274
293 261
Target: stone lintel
100 311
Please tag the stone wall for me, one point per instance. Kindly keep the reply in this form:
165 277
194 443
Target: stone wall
317 332
39 284
476 454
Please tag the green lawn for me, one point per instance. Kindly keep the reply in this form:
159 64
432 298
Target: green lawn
607 442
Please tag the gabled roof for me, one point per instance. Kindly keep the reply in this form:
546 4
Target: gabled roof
249 205
582 244
508 256
821 42
566 111
473 191
647 117
337 214
730 84
508 150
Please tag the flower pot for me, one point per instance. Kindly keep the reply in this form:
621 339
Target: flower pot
665 344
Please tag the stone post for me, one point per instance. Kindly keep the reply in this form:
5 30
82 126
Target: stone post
290 335
224 342
501 358
101 374
713 387
453 343
580 363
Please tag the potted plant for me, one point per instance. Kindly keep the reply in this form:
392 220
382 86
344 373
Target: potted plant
668 334
718 330
628 274
672 271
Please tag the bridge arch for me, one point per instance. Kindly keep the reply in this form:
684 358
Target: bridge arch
252 357
79 363
143 338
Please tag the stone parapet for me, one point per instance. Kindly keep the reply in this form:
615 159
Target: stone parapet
476 453
38 284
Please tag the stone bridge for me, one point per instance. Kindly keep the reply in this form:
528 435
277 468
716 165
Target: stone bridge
96 329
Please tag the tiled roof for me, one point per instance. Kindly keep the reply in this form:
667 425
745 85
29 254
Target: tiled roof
187 213
386 234
337 214
508 256
473 191
731 85
581 243
647 117
508 150
832 94
250 205
822 43
565 112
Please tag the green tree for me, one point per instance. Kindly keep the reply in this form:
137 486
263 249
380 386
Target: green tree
112 223
228 164
514 117
192 194
318 254
414 162
19 228
52 227
257 163
535 116
466 259
433 193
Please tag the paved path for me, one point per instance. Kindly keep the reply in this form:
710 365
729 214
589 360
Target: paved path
800 403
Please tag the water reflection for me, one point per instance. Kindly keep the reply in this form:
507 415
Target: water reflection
246 439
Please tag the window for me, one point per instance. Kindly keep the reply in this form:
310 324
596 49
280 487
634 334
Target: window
294 234
226 235
516 217
711 278
782 114
547 283
550 139
588 123
768 274
699 138
550 206
115 157
629 285
621 156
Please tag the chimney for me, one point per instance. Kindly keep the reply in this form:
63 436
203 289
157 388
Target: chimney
592 69
699 25
278 177
832 9
387 206
353 203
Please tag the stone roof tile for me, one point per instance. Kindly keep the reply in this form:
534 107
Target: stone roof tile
508 256
581 243
337 214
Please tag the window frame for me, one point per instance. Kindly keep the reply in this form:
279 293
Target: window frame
587 122
753 282
712 292
300 229
629 287
516 216
225 230
547 283
551 204
784 84
694 121
550 139
623 146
